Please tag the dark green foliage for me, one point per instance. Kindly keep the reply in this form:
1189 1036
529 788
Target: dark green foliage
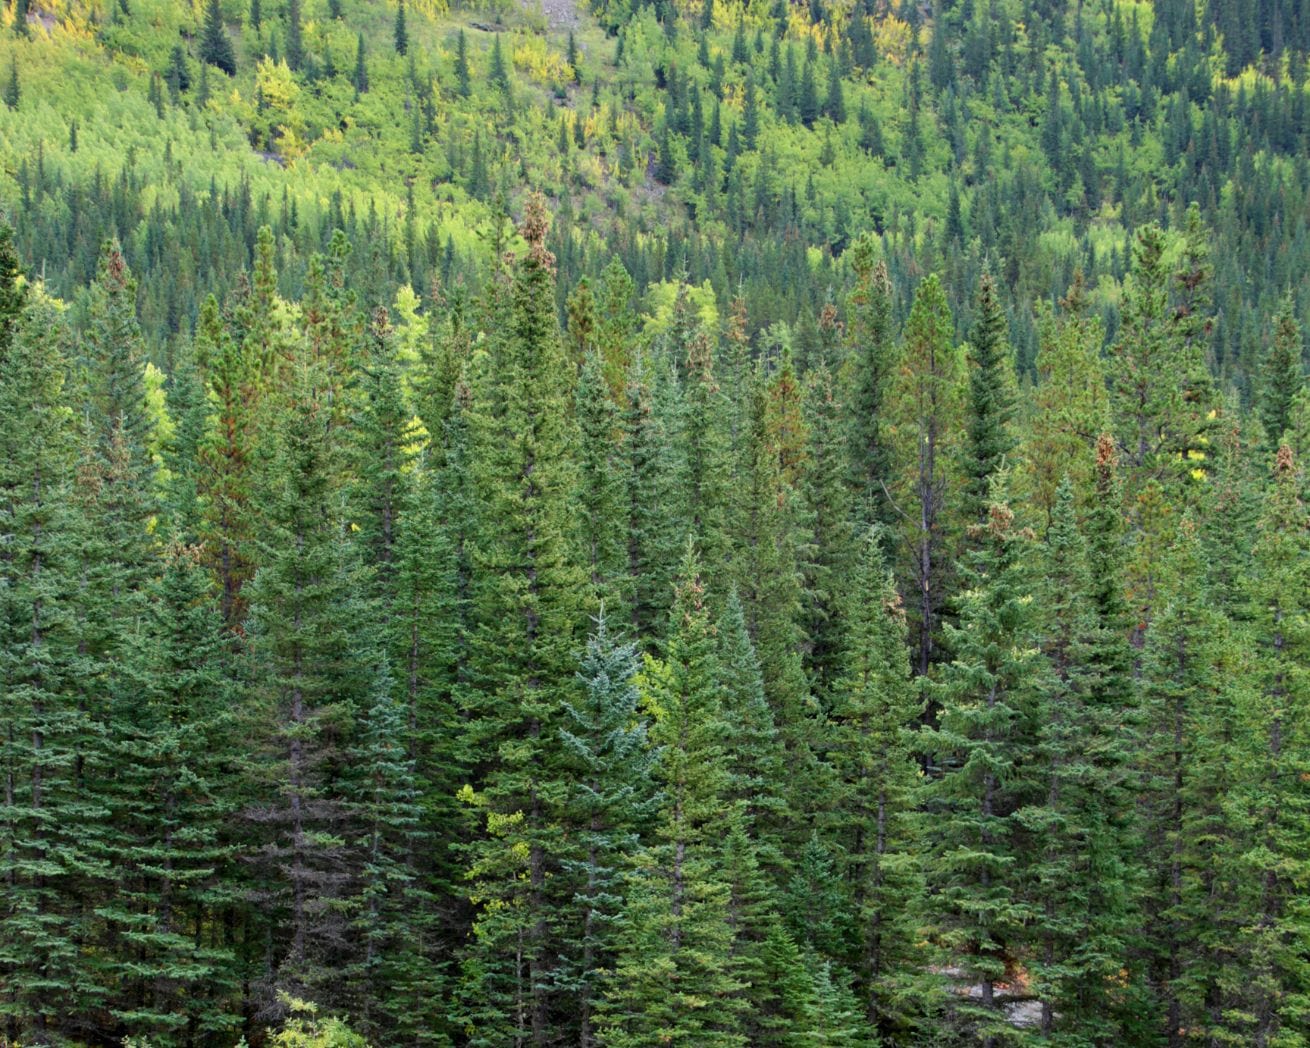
990 400
1282 376
399 33
978 854
360 77
215 44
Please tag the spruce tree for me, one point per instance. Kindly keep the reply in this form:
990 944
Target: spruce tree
1084 878
215 44
610 799
867 374
1282 376
1070 404
462 81
991 400
874 708
360 77
926 408
397 970
603 484
399 33
173 803
977 856
312 671
45 823
1272 802
295 43
529 593
675 978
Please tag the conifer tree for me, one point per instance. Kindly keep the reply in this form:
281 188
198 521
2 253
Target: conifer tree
867 374
462 81
396 973
1192 675
215 44
830 551
295 42
315 670
1070 404
529 595
1282 376
360 77
399 33
603 485
172 805
226 456
45 824
675 979
976 862
1273 802
610 800
1085 873
927 417
874 707
756 758
990 400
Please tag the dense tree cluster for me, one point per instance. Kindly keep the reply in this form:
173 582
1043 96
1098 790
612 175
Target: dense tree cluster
631 683
832 570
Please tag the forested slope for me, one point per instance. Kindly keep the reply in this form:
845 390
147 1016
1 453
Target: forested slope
714 526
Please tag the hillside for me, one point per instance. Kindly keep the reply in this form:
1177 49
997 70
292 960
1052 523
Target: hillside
737 524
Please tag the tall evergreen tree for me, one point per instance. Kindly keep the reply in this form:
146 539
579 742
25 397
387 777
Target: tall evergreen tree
529 594
675 979
1282 376
215 45
612 797
45 823
399 33
874 708
978 855
315 659
927 409
991 400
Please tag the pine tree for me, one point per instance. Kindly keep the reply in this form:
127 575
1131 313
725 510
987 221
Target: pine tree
834 103
927 416
1192 674
675 980
360 77
13 92
977 859
215 44
295 43
315 669
497 72
991 401
173 804
756 758
1277 854
1084 875
830 552
400 35
610 800
462 81
529 594
603 484
654 502
874 708
1282 376
1070 404
867 374
45 824
226 457
397 972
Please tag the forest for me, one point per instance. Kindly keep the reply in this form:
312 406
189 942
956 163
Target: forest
696 523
